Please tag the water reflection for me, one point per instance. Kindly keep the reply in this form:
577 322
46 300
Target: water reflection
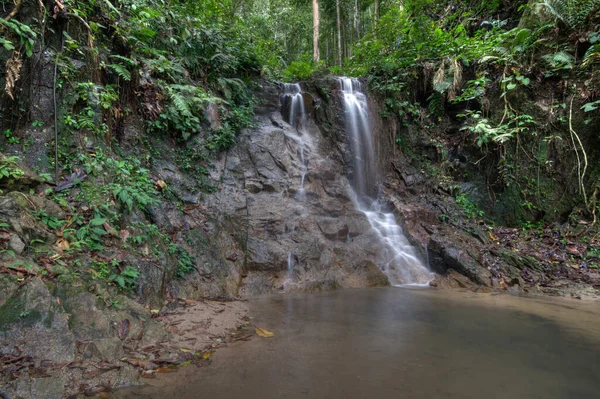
401 343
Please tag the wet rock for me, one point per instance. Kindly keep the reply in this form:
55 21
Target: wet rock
154 333
33 321
213 116
34 203
16 244
454 280
334 228
8 286
167 217
253 186
87 321
26 227
106 349
185 188
36 388
443 255
518 261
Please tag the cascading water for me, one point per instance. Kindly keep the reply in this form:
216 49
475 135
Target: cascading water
292 99
364 175
401 263
294 113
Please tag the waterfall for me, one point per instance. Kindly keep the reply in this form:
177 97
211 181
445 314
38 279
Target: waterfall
293 100
294 113
359 133
401 263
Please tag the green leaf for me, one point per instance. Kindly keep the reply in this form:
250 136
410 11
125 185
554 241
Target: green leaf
511 86
97 221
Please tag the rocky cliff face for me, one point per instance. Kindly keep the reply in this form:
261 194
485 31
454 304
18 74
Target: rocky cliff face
285 237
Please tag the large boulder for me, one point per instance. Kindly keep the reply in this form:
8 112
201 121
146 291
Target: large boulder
33 323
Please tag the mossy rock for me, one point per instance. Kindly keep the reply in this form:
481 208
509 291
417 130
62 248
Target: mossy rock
520 262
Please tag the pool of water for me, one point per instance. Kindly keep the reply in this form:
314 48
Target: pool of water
402 343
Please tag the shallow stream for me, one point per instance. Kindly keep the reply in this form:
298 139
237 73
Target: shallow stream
402 343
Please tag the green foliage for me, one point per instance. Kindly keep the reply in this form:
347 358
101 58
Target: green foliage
11 138
486 132
184 109
469 207
52 222
574 13
299 70
9 169
559 62
124 278
186 263
129 183
23 32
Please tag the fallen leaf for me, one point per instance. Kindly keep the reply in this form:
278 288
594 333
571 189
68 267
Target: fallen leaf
63 245
261 332
164 370
206 355
123 329
493 237
110 229
161 185
148 374
145 364
154 311
185 350
124 234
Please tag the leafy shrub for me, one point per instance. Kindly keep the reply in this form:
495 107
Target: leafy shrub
298 70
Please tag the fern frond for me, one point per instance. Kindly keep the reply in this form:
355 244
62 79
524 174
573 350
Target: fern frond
561 58
121 70
574 13
180 102
124 60
591 56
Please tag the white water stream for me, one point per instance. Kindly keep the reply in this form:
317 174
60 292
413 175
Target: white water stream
401 263
293 101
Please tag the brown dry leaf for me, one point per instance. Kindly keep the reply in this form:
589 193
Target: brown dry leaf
63 245
161 185
124 234
110 229
148 374
164 370
145 364
123 329
261 332
493 237
13 68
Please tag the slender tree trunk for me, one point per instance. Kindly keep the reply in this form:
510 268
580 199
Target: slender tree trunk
316 54
375 17
356 29
339 31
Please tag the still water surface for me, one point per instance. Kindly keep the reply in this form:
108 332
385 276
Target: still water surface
402 343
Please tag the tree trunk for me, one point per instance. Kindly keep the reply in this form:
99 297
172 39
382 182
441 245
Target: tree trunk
356 20
316 54
375 17
339 31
